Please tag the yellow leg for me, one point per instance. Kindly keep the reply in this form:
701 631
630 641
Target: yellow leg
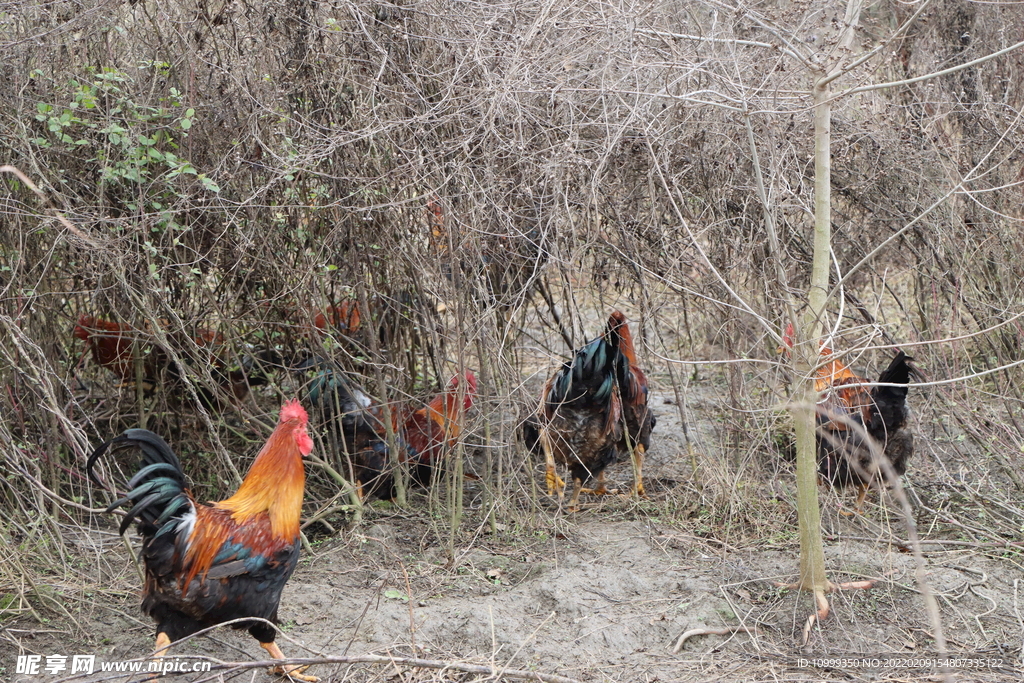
163 641
294 672
577 488
638 470
858 507
554 482
600 489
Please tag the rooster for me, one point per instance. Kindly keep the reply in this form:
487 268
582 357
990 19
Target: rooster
207 564
343 317
356 423
593 409
423 435
110 344
844 456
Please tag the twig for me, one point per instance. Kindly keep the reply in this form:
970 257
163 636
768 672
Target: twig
905 546
46 200
729 630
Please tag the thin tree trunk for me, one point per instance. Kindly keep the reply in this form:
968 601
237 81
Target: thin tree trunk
812 553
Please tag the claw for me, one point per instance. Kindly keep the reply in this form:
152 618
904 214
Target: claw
295 673
554 482
600 491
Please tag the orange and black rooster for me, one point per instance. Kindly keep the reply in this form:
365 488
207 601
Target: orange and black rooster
844 457
423 435
592 410
207 564
110 344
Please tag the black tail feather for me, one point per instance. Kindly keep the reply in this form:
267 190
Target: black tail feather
530 432
157 491
898 372
890 410
589 378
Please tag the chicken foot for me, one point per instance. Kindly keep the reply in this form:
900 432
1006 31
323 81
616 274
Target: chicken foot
577 489
554 482
163 641
294 672
600 489
858 507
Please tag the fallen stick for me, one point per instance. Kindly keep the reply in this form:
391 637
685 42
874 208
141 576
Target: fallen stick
729 630
400 661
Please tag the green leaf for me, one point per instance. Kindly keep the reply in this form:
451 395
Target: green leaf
392 594
209 184
186 124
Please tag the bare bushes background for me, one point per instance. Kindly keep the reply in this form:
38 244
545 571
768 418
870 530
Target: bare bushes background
240 166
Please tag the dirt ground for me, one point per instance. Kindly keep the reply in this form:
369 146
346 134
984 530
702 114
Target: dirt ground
599 595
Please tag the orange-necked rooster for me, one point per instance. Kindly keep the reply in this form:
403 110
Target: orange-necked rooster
427 433
844 457
593 409
343 317
638 417
207 564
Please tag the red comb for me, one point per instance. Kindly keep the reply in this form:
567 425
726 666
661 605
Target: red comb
293 410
